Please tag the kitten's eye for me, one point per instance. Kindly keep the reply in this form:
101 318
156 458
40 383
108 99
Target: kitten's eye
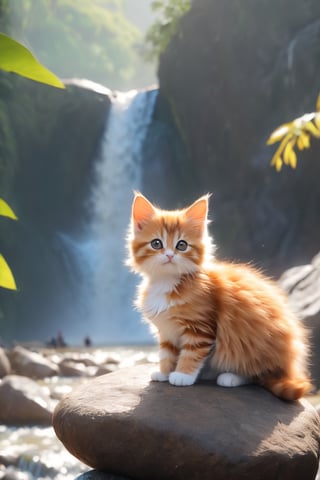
156 244
182 245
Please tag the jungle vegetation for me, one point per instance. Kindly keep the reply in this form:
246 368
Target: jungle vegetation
88 39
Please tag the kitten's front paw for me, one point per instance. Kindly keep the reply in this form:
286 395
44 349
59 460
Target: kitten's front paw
181 379
159 377
228 379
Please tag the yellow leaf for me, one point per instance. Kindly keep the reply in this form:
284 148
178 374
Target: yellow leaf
6 277
300 143
303 141
288 152
317 120
310 127
6 211
318 103
278 164
286 155
293 159
279 133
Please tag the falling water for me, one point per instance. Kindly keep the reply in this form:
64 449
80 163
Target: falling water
118 172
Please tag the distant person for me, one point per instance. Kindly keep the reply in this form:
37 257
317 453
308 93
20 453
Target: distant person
87 341
60 340
52 343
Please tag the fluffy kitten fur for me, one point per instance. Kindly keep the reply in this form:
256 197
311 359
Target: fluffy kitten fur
204 308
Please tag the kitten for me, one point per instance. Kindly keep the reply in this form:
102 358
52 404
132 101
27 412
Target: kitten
204 308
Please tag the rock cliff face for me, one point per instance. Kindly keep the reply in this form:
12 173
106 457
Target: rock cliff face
164 177
45 177
302 286
234 72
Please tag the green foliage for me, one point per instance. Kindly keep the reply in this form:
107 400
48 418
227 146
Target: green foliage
6 210
16 58
294 134
6 277
84 39
162 31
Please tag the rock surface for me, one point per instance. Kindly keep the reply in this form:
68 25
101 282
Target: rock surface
125 425
24 402
5 366
70 368
54 137
96 475
31 364
302 283
234 72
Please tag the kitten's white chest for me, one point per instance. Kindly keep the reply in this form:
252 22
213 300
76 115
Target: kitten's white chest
156 298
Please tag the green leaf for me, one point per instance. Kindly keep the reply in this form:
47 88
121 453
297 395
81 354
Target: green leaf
16 58
6 211
6 277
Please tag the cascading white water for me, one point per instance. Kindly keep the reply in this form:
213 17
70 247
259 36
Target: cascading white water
118 172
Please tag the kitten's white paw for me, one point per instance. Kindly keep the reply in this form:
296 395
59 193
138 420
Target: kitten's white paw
159 377
232 380
181 379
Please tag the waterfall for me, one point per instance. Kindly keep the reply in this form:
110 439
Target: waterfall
112 318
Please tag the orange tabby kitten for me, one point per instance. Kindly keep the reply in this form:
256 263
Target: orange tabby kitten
204 308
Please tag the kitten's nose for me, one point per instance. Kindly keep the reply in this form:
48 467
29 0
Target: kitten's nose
169 256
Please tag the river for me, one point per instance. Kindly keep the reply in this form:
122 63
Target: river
33 452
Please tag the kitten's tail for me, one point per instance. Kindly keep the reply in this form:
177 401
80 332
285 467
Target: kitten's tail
288 388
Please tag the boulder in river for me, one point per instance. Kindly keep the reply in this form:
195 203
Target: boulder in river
31 364
24 402
125 425
4 364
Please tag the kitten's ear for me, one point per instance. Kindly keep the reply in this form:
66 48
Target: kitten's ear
198 212
142 211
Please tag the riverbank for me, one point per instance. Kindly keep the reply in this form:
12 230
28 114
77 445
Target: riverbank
33 452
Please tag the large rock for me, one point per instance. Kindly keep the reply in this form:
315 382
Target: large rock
234 72
24 402
302 283
31 364
96 475
70 368
5 366
123 424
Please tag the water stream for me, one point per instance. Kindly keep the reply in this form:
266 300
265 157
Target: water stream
34 452
107 286
117 175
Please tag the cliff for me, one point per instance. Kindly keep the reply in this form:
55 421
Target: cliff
50 138
234 72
